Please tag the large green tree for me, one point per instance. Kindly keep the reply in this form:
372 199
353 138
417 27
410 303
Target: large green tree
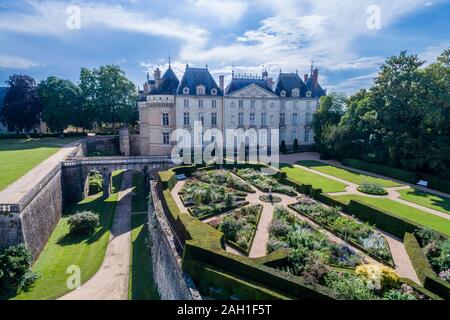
61 100
21 105
402 121
110 95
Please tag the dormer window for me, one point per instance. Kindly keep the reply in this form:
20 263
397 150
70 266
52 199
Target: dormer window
200 90
295 92
283 93
186 90
308 94
214 92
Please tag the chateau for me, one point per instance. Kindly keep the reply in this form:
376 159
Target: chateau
247 103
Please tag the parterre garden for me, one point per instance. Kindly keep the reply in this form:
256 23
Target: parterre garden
318 248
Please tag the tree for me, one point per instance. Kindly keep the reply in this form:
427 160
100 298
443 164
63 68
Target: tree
60 99
330 111
15 269
113 97
21 105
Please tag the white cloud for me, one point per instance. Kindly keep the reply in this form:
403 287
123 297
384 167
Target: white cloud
13 62
227 12
431 53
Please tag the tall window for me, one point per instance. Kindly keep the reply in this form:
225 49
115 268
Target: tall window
252 119
186 118
308 105
294 119
307 135
214 103
295 92
214 119
201 118
186 103
241 119
263 118
241 103
200 103
252 104
166 138
165 119
294 135
308 118
282 119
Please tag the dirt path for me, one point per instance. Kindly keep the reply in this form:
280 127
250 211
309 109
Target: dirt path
112 279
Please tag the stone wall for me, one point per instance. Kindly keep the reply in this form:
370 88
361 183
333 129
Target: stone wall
109 145
41 216
135 145
172 282
10 230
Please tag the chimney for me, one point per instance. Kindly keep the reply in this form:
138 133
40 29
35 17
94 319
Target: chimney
315 77
306 77
146 88
157 76
270 82
222 82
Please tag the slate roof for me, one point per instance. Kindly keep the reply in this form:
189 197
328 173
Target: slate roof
237 84
169 83
316 91
194 77
288 82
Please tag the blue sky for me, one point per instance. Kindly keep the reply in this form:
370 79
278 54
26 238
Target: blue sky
282 34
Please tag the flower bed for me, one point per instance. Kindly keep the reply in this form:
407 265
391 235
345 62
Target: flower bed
240 227
308 244
360 235
225 178
437 250
373 189
197 193
265 182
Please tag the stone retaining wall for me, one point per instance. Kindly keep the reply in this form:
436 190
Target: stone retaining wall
172 282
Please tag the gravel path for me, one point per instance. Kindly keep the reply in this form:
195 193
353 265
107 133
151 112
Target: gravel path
112 279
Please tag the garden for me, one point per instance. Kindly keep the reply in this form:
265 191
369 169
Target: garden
265 182
239 227
319 260
207 199
361 235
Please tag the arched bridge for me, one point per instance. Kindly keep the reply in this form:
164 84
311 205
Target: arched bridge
75 171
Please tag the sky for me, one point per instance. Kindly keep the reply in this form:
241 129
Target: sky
347 40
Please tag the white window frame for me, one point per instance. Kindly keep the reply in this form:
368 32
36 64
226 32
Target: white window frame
186 119
185 90
165 122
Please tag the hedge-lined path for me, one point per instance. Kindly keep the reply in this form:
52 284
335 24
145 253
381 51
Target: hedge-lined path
112 279
351 189
403 265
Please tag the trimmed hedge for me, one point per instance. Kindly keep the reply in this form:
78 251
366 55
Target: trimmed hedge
395 173
436 183
423 268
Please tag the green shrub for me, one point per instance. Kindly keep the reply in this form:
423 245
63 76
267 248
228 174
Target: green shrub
348 286
15 269
83 223
372 188
95 183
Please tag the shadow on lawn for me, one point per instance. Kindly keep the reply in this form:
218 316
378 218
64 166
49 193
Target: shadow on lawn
443 203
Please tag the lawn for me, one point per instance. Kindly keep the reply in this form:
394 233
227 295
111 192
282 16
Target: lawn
63 250
348 175
426 199
142 285
299 175
139 199
17 157
415 215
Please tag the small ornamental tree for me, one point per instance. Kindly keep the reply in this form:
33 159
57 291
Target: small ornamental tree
95 183
15 269
83 223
